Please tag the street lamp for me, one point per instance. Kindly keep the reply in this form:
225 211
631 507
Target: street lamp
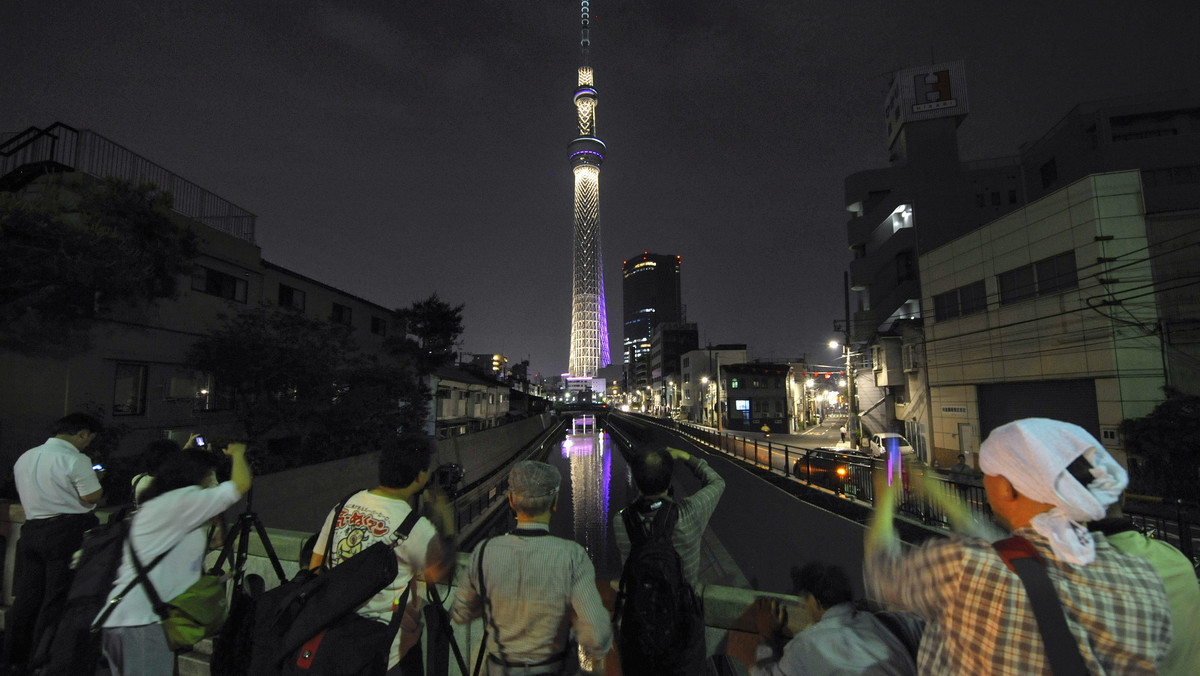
808 385
851 400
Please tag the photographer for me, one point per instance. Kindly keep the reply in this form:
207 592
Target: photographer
182 497
59 488
427 555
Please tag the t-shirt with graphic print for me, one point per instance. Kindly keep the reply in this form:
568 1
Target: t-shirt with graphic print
366 519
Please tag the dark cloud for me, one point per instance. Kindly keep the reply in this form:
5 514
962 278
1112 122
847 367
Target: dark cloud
395 149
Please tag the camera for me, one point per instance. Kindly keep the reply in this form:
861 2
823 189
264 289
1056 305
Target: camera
447 477
200 442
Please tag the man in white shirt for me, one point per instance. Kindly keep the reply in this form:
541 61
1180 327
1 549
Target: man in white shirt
58 490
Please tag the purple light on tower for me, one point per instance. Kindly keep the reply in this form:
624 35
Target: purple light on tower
589 317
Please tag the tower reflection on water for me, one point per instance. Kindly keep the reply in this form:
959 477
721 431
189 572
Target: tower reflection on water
588 453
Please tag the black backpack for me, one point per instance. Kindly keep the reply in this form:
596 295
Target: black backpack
74 647
661 618
294 613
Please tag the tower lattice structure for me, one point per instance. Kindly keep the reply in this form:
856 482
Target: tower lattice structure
589 320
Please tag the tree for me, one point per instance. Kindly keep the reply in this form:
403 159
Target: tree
430 327
279 368
70 254
374 402
287 374
1168 443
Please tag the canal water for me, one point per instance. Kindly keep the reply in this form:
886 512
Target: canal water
596 485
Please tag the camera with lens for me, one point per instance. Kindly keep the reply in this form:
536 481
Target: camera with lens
446 478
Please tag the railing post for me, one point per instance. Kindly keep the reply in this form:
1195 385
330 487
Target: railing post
1185 531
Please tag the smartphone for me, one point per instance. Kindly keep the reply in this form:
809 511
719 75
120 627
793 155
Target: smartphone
200 442
98 467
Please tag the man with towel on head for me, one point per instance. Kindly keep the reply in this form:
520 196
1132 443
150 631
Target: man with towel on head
1044 479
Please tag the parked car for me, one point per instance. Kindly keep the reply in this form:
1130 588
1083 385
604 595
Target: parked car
884 441
831 468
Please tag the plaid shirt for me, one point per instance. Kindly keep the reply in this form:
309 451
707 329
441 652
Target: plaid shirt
980 621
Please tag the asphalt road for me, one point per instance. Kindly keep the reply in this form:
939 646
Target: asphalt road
768 532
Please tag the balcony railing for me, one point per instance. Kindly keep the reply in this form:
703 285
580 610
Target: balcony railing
60 148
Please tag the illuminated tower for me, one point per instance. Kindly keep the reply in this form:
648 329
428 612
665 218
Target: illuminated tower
589 322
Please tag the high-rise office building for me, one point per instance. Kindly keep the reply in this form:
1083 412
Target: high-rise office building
589 322
652 297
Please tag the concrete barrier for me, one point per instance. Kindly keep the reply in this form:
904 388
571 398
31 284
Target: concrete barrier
299 499
730 629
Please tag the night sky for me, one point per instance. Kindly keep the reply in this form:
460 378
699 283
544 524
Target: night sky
394 149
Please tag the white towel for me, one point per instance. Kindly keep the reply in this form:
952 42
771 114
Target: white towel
1033 454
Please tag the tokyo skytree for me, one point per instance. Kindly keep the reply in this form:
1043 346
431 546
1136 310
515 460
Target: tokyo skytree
589 321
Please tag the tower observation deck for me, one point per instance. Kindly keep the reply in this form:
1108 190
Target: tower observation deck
589 320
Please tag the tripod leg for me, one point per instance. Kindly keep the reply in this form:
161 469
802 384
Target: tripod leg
270 549
227 547
444 627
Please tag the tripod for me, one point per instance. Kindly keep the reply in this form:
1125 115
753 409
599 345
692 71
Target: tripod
238 540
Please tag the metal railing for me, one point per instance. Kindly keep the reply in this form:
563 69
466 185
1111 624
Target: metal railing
60 147
851 475
483 497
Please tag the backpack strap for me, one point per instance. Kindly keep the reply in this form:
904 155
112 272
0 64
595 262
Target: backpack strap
640 531
1062 652
116 600
404 529
483 595
337 514
143 577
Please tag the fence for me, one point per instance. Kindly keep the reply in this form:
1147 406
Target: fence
63 148
851 475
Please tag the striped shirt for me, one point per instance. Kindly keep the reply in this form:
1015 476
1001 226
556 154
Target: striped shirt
979 617
537 587
694 513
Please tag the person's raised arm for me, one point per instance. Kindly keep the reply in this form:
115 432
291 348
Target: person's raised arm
703 471
881 534
239 473
441 557
956 511
704 500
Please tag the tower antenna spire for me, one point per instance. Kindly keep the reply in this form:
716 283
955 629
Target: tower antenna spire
585 40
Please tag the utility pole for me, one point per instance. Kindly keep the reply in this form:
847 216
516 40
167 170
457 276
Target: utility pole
851 381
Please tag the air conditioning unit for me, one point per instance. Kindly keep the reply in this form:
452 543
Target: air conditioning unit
181 388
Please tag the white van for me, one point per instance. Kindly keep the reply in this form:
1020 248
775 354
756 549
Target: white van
881 442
